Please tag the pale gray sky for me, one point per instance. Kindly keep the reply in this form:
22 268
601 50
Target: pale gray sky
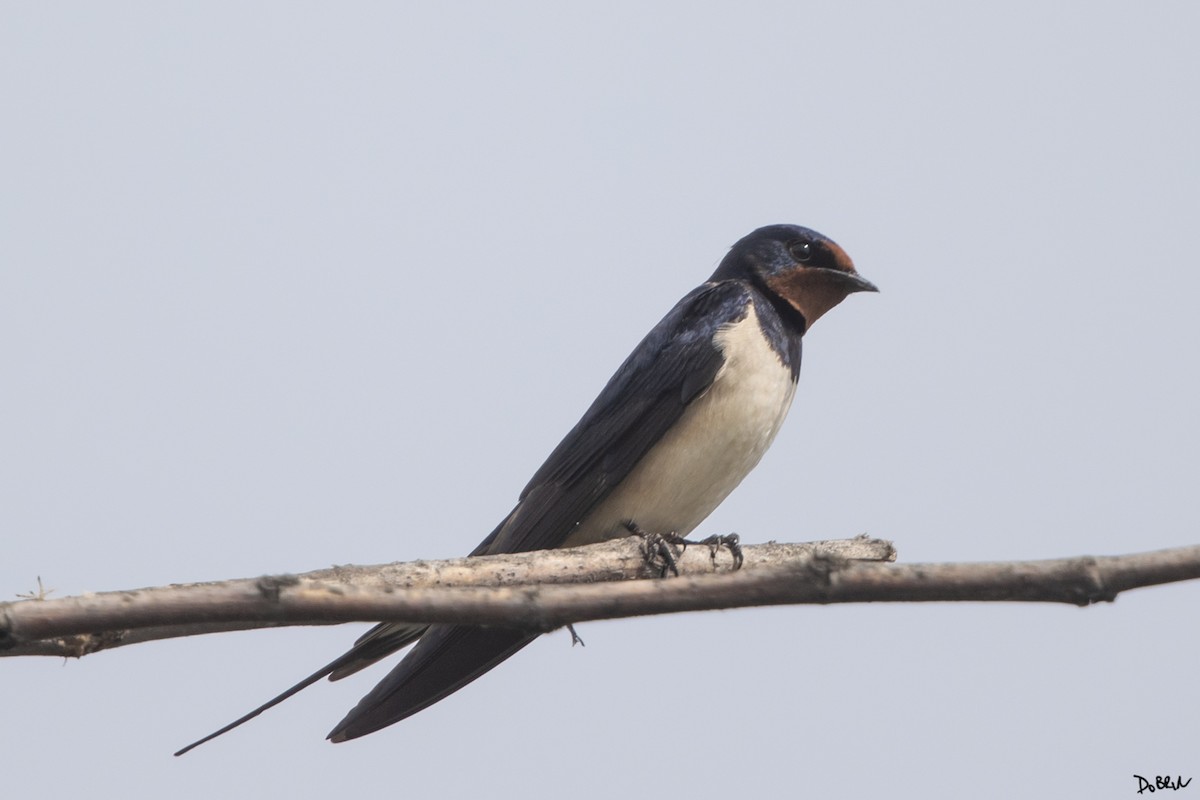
286 285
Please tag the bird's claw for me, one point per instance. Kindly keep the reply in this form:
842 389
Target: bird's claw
730 540
660 549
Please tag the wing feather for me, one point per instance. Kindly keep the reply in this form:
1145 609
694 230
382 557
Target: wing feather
674 364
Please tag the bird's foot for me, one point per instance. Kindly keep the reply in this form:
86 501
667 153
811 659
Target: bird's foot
660 549
718 540
575 638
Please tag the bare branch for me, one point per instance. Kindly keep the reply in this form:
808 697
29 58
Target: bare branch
534 590
76 626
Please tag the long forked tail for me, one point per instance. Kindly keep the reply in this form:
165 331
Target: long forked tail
447 658
377 643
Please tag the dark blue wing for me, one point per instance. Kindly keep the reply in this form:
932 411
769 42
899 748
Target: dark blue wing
674 364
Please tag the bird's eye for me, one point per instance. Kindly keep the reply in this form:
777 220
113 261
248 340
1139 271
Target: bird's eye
801 251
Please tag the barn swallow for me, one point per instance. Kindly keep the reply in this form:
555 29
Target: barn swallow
677 428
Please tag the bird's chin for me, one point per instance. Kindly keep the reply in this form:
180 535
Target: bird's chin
812 292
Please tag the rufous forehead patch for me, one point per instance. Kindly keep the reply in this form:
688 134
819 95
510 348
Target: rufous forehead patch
840 258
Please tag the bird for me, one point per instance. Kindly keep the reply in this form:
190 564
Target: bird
682 421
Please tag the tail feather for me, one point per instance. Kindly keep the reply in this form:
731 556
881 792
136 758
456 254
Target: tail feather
447 658
377 643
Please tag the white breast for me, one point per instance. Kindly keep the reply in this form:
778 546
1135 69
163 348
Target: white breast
714 445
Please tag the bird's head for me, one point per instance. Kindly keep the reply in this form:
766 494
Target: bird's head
805 270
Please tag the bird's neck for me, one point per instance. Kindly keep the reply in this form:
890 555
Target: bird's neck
783 326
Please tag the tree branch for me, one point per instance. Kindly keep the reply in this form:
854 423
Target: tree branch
548 589
76 626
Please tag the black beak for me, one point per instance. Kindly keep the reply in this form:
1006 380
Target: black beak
857 283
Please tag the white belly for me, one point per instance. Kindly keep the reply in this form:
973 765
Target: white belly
714 445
